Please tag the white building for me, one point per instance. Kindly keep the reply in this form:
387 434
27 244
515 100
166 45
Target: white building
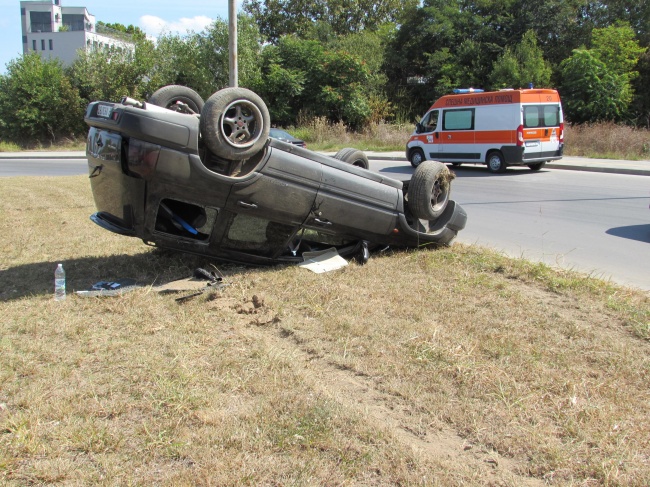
59 32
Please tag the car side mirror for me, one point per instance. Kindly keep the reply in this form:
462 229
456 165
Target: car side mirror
419 128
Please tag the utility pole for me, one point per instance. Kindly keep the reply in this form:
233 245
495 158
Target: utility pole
232 43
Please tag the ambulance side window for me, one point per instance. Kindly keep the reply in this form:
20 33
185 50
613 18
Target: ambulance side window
462 119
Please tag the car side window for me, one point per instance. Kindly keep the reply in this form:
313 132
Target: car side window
254 235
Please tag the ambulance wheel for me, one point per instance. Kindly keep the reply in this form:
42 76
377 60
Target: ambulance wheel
416 157
537 167
495 162
429 189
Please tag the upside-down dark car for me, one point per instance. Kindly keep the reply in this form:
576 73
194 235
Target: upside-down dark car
206 178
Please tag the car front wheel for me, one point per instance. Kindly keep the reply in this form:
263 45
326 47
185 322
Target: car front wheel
429 190
235 123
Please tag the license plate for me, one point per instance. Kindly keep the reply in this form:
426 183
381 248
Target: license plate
532 144
104 111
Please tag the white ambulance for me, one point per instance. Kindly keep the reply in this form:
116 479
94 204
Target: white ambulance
499 128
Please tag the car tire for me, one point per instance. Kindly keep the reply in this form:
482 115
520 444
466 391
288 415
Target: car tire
235 123
416 157
168 96
353 156
429 189
537 166
495 162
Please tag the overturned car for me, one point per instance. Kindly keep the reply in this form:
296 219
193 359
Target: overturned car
206 178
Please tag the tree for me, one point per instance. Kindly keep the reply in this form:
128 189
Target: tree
37 102
597 82
591 92
277 18
111 73
302 76
524 64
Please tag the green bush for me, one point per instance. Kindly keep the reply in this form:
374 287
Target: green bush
38 103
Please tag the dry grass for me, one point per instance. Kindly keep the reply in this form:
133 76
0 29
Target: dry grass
449 367
325 136
604 140
608 140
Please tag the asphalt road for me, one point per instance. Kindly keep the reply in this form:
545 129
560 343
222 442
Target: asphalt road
597 223
43 167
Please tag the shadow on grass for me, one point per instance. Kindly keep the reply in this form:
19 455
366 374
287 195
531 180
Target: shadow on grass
152 267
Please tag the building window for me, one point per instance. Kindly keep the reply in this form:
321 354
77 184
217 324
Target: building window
24 39
34 45
74 22
40 21
42 44
51 45
22 12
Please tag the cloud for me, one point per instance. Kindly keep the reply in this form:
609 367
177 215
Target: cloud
154 26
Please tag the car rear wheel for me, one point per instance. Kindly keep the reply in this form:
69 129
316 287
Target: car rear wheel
177 98
429 189
235 123
354 157
495 162
537 166
416 157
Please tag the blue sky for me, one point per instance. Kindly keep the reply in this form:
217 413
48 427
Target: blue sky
152 16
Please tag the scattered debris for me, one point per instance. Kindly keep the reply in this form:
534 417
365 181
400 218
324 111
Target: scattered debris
200 282
323 261
109 288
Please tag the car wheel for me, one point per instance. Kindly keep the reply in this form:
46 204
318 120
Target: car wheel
429 189
537 166
170 96
495 162
416 157
354 157
235 123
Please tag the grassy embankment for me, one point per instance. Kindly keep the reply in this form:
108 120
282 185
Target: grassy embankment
442 367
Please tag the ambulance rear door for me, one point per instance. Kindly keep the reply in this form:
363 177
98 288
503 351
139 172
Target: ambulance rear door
542 131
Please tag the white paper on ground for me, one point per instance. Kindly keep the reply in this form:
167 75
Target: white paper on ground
323 261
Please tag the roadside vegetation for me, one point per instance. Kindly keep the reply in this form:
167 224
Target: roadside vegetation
601 140
450 367
359 66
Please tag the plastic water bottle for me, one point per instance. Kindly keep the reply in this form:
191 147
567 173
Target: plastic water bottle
59 283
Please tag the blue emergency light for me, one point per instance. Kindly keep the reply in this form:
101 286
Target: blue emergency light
462 91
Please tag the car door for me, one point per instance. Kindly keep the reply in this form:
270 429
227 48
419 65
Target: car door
283 189
354 202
